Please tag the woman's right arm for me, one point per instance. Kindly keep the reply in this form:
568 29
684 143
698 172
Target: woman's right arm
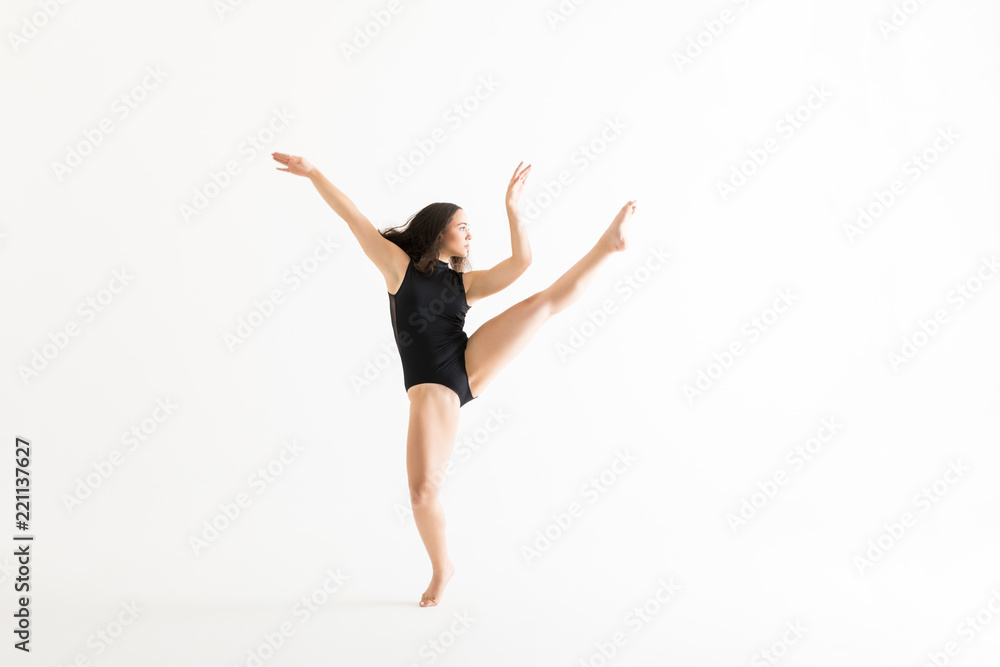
390 259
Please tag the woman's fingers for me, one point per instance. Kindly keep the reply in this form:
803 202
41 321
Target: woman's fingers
516 169
522 176
293 163
519 174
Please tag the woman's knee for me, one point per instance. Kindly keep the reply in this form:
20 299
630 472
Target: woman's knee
540 303
424 491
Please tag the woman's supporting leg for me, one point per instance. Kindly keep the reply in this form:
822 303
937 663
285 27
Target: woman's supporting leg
429 441
494 344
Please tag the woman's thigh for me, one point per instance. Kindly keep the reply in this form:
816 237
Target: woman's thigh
497 341
430 437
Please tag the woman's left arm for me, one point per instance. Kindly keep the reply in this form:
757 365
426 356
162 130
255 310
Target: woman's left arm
490 281
520 249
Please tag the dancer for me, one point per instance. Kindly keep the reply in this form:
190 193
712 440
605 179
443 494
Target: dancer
424 265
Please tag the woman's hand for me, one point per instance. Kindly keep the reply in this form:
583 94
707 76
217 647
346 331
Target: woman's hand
516 185
295 165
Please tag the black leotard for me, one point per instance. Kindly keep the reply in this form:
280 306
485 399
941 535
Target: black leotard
428 320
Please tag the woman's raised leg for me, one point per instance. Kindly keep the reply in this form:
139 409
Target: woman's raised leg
494 344
430 437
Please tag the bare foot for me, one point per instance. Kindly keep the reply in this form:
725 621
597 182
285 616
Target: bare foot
433 593
616 235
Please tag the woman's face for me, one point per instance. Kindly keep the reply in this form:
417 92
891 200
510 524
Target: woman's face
457 237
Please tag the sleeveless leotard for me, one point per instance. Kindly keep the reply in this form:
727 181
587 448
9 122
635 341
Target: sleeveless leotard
428 320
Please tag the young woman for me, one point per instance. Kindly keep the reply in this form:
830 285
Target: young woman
423 263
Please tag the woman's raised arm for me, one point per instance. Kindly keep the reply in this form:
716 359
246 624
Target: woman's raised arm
388 257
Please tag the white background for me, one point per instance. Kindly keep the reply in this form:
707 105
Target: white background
558 420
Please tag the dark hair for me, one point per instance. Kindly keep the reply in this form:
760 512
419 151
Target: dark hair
420 237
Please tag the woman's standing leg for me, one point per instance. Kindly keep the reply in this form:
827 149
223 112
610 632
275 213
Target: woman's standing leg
430 438
494 344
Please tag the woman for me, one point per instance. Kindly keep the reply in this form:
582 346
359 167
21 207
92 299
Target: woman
430 291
